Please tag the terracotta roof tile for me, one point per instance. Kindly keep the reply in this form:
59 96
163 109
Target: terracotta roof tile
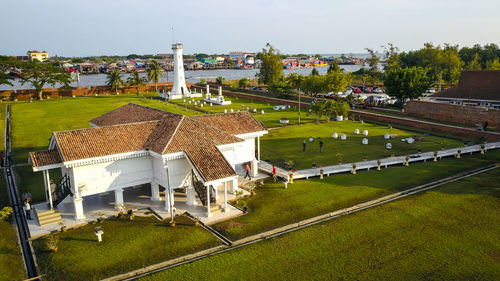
45 158
235 123
478 85
131 113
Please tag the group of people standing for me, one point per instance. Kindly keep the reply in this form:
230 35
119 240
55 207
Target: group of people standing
304 145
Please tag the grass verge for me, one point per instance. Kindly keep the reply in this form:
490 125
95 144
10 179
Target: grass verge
11 259
127 245
448 233
273 206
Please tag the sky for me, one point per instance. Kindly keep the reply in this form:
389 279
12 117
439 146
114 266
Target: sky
107 27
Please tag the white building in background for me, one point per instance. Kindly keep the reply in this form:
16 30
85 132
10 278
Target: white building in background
136 145
179 89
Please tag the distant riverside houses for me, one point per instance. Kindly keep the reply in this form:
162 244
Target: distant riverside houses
135 145
475 88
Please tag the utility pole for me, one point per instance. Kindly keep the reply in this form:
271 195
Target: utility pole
299 108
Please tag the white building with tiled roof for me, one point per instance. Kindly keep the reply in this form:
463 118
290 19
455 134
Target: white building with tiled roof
136 145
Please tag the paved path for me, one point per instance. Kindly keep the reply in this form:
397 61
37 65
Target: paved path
372 164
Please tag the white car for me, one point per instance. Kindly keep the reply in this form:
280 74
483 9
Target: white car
378 91
348 91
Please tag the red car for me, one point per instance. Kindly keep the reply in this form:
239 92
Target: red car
357 91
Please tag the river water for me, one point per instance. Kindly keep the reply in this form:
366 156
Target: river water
192 76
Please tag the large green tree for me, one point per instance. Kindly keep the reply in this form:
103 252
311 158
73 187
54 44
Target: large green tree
136 80
155 72
313 84
441 63
493 65
407 83
271 69
391 57
336 81
373 60
281 86
474 64
39 74
114 80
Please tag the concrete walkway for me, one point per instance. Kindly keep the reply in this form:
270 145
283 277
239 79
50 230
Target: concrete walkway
372 164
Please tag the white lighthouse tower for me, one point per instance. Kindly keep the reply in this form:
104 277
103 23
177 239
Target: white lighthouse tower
179 89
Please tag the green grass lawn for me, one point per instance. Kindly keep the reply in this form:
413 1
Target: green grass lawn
270 118
127 245
33 123
11 259
285 144
448 233
273 206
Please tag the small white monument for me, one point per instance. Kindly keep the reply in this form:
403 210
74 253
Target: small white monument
410 140
356 131
365 132
388 145
387 136
364 141
262 111
218 100
343 137
335 135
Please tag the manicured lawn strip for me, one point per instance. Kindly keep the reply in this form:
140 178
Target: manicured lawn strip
3 108
33 123
448 233
270 118
30 181
285 144
11 259
273 206
127 245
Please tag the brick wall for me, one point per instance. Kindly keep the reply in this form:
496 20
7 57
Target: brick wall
466 133
452 113
77 91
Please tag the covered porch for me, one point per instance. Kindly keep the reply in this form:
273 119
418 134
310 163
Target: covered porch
138 198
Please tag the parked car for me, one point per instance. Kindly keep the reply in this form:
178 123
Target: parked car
378 91
431 90
368 90
257 88
348 91
357 91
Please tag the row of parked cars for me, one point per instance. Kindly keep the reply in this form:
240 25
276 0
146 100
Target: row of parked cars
365 94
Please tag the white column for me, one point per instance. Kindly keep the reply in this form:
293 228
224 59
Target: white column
167 200
255 168
225 196
46 181
172 199
208 202
234 187
155 191
78 203
216 193
119 196
190 196
258 149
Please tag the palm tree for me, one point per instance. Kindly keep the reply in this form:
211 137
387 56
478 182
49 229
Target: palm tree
136 80
154 72
114 80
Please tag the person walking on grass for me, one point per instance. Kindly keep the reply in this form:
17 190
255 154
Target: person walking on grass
27 205
247 169
320 146
303 146
275 178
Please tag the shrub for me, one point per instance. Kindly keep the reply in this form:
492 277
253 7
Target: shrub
5 213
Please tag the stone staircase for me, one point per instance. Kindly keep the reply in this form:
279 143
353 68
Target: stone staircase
180 196
215 209
48 217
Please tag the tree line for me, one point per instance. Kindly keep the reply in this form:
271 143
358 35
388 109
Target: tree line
38 75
